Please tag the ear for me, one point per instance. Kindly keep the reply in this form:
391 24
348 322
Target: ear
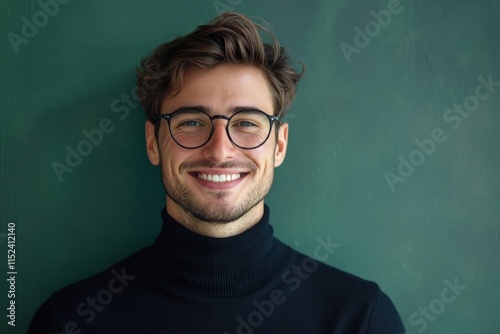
280 152
151 144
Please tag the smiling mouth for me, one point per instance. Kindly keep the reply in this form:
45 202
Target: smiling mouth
218 178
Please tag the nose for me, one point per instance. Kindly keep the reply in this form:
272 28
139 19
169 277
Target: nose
219 148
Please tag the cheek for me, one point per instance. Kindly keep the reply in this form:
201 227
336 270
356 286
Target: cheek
171 156
263 157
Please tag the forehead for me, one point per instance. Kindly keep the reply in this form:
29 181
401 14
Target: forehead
222 89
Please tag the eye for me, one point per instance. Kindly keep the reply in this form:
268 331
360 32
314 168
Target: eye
245 123
189 119
190 123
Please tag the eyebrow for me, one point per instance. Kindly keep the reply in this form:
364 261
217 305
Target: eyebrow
210 111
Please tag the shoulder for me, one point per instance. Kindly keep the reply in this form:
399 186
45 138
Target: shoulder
113 279
342 295
331 279
80 301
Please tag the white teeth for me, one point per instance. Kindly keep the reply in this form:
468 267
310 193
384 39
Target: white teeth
219 178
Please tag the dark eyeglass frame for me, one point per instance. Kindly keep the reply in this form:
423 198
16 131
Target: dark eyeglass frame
168 117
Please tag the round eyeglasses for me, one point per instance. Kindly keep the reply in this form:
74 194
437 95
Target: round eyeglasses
192 128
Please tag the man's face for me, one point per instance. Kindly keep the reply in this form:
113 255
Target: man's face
187 172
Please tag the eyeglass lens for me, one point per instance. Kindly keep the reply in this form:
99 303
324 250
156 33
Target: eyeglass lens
247 129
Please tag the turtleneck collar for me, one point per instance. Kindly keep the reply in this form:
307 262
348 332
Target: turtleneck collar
220 267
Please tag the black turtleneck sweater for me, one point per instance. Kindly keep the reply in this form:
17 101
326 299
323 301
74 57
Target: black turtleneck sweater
248 283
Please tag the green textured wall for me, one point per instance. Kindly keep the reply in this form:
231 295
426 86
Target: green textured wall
413 219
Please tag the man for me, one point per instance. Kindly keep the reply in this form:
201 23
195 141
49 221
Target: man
215 101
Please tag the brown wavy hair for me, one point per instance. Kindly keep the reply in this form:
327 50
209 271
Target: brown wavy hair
229 38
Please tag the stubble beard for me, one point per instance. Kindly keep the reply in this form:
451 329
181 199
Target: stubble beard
222 212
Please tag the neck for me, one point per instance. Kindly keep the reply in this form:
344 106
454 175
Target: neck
219 267
215 229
